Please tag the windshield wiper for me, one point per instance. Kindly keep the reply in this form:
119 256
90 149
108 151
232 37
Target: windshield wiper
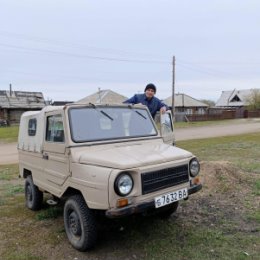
137 112
140 114
105 114
101 111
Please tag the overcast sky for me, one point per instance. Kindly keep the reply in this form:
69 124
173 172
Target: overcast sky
69 49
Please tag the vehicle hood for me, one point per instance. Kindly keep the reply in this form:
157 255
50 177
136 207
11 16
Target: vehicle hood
129 155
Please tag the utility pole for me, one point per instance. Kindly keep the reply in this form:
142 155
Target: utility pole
173 88
99 94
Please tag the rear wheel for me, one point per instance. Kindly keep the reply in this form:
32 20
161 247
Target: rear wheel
167 211
80 224
33 196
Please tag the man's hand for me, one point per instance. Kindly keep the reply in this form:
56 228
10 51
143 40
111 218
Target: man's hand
163 110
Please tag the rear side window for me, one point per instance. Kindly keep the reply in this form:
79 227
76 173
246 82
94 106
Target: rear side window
55 130
32 126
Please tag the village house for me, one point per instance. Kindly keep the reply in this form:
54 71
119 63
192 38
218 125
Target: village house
14 103
234 98
186 106
104 97
238 102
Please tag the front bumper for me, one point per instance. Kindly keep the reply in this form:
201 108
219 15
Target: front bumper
142 207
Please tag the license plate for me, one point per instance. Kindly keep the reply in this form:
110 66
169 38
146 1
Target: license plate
171 197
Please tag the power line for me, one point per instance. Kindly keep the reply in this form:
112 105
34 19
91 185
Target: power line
207 71
56 76
82 56
192 66
220 62
68 44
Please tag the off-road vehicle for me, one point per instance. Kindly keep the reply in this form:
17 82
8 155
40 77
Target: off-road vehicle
109 159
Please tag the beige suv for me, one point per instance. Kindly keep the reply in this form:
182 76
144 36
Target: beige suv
103 158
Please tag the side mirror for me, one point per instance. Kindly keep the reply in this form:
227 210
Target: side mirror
166 128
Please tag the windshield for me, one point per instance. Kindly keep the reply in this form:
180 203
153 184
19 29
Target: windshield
100 123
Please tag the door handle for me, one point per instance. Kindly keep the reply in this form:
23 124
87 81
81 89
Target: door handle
45 156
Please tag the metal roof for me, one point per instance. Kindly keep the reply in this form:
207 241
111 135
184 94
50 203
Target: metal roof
183 100
104 97
234 98
21 99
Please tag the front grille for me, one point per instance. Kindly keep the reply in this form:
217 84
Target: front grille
158 180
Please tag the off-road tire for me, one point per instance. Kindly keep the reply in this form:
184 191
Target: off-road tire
167 211
33 196
80 224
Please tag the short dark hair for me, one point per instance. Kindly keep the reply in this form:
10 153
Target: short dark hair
150 86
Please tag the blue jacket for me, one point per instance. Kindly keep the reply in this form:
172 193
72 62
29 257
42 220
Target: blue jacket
154 104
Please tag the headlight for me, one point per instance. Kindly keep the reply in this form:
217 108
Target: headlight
194 167
123 184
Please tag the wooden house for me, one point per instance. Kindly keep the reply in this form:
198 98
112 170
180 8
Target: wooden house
14 103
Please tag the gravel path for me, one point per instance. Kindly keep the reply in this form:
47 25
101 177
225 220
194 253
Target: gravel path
8 153
237 127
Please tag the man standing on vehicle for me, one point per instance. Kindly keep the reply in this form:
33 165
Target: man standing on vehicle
148 99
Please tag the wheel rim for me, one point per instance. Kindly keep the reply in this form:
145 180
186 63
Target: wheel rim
74 224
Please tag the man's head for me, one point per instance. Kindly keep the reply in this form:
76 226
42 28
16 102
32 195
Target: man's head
150 90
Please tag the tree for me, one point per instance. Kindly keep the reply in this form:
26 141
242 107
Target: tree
253 100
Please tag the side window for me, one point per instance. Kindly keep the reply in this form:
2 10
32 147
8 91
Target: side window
32 126
55 130
166 123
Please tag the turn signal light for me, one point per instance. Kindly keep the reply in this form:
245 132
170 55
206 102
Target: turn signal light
196 181
122 202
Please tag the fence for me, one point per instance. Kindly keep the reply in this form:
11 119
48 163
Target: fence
229 114
254 113
217 114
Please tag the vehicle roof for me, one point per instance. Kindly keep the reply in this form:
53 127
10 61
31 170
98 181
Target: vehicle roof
101 104
56 108
104 105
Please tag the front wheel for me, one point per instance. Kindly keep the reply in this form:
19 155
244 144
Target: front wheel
33 196
80 224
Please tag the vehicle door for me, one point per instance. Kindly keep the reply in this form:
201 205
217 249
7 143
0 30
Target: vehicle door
55 154
165 124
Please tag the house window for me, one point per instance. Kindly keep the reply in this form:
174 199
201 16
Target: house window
32 126
55 130
235 99
188 111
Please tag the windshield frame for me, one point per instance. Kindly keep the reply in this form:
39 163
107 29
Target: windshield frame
101 109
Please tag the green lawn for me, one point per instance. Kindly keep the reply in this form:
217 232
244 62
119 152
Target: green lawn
242 150
9 134
212 122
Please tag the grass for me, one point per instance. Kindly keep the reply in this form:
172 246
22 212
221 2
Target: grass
255 216
24 256
209 123
257 188
157 239
49 213
12 190
197 244
8 172
243 150
207 226
9 134
2 202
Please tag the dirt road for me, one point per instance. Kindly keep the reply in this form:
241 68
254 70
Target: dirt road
236 127
8 152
